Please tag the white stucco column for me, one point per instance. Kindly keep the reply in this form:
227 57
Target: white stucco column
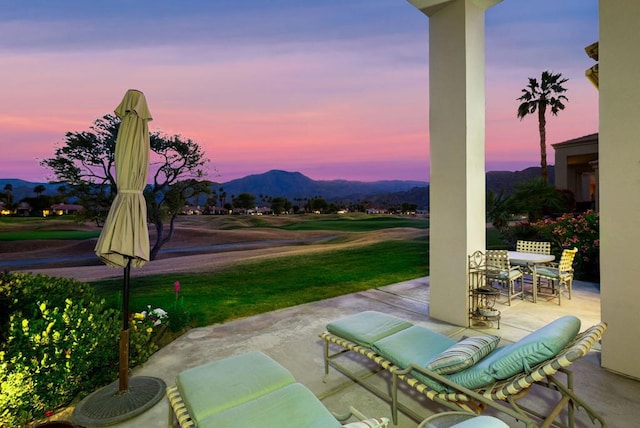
619 174
457 132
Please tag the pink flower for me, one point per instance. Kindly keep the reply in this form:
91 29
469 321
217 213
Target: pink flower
176 286
48 413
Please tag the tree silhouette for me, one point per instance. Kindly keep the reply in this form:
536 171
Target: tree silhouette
538 97
39 190
86 163
8 188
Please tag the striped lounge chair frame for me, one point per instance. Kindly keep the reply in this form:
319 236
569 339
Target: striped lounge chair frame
501 395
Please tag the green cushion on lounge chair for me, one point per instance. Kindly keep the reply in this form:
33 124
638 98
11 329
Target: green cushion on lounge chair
291 406
534 348
245 378
522 356
365 328
416 345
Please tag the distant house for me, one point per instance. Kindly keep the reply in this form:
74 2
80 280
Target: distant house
23 209
576 169
3 209
191 210
576 166
63 209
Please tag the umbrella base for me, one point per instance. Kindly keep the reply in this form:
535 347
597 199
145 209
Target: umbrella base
108 406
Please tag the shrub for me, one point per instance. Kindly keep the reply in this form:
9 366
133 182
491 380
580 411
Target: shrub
521 230
179 317
144 327
58 340
580 231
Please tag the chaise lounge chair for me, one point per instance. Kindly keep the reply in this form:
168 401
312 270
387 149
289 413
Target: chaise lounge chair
251 390
472 374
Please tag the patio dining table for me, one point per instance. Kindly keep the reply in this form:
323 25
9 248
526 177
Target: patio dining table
531 260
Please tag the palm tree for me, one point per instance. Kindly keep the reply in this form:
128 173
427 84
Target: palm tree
539 96
39 190
8 188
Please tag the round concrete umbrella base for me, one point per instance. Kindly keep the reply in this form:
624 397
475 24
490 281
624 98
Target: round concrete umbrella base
108 406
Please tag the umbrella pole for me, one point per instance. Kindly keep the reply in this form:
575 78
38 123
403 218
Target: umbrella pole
124 333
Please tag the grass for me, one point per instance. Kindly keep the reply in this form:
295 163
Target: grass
256 287
353 222
28 235
495 240
359 224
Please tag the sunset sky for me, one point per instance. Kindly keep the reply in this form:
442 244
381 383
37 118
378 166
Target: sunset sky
334 89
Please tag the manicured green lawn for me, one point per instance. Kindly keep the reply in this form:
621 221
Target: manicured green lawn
257 287
359 224
29 235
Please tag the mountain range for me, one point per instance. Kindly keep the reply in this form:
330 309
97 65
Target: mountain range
294 185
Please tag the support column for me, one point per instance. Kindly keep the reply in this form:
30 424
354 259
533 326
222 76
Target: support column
619 181
457 132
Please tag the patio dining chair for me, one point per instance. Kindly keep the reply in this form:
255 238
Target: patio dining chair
500 271
535 247
557 275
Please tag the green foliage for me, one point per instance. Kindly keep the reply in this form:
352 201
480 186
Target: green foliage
581 231
244 201
57 335
179 317
57 341
317 204
279 205
536 198
522 230
143 327
498 210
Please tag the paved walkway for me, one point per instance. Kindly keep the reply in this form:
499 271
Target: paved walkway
290 336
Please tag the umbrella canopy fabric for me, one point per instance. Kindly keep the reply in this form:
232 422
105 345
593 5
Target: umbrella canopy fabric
125 236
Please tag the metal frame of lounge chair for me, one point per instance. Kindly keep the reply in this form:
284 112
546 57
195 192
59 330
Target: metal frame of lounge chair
501 395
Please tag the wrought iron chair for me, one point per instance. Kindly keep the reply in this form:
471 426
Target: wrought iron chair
499 270
558 275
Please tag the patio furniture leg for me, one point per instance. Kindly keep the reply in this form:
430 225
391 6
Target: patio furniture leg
326 358
394 399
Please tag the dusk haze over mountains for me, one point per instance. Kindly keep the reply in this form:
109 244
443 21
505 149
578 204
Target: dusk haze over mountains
332 89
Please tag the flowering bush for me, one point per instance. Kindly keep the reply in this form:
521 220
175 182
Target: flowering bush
144 328
57 340
580 231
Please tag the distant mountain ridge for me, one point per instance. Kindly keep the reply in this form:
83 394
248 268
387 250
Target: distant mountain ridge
506 181
294 185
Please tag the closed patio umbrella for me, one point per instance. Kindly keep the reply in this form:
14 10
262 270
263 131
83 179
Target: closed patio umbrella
124 239
123 243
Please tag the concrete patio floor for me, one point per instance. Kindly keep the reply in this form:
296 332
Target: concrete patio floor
290 336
